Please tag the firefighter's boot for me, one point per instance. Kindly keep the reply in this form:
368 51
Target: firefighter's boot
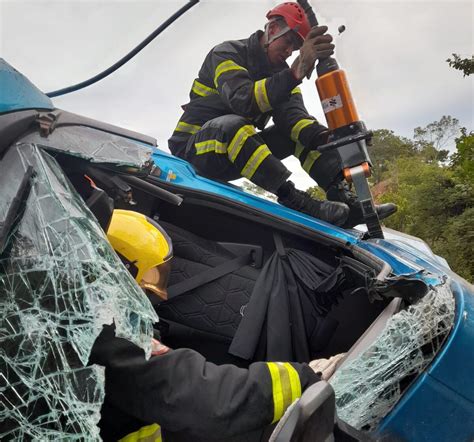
332 212
342 192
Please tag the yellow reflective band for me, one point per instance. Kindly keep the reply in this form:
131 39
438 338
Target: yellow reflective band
286 387
310 159
238 141
298 149
261 97
225 66
296 90
210 146
186 127
294 381
150 433
299 126
255 160
277 393
202 89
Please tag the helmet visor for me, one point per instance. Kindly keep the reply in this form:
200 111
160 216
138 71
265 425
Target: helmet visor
155 280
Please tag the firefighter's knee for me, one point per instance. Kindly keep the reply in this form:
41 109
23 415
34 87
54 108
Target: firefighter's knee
228 124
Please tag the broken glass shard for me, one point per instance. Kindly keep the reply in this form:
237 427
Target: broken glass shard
368 386
60 282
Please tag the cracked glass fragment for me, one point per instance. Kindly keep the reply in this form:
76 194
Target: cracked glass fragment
368 386
93 145
60 281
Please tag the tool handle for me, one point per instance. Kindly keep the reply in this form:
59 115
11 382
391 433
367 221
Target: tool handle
313 21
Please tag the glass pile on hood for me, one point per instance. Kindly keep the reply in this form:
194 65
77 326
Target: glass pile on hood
60 281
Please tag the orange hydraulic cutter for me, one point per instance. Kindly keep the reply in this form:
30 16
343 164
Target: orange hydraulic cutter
348 135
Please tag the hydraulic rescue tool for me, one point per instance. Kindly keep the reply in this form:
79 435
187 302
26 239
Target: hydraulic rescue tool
348 135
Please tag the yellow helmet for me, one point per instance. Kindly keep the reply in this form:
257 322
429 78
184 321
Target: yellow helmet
141 243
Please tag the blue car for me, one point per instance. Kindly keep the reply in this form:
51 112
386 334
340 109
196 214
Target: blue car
403 318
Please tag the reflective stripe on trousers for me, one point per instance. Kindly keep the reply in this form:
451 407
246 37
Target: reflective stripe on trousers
228 147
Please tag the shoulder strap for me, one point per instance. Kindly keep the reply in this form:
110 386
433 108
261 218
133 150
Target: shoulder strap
208 276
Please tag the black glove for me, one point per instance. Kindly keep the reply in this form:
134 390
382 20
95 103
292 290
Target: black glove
319 139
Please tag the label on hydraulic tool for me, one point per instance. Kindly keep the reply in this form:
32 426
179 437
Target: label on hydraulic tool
333 103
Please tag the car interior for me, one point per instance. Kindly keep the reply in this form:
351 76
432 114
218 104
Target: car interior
222 247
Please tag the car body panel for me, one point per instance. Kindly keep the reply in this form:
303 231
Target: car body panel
181 173
18 93
439 414
443 396
458 351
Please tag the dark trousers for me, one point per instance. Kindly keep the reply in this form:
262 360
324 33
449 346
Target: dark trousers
229 147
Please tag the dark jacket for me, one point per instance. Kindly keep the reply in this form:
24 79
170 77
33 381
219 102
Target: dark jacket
236 78
184 394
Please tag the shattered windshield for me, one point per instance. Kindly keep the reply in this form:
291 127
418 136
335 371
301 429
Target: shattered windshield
93 145
60 281
368 386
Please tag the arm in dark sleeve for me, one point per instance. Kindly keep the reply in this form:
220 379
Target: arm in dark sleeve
241 94
293 119
182 392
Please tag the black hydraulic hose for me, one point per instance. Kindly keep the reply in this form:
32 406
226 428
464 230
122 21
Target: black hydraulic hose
127 57
309 12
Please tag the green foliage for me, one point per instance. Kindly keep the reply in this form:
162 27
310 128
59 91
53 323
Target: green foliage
427 145
385 148
458 244
465 65
252 188
436 202
462 161
317 193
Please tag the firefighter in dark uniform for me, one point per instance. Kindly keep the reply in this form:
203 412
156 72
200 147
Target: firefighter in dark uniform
177 394
243 83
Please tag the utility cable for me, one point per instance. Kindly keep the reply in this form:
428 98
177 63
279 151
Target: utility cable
127 57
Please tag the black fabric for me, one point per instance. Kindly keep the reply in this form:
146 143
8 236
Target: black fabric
269 175
286 314
211 275
217 306
277 313
183 393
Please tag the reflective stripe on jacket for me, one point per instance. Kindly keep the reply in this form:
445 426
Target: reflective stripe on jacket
149 433
236 78
286 389
185 394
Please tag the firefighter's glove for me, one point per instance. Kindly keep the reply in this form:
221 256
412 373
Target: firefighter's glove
317 45
326 367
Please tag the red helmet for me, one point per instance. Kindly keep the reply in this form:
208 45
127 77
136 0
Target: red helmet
294 16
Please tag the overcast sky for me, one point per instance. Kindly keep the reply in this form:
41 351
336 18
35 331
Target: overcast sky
394 54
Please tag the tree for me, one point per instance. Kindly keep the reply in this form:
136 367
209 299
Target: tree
462 161
385 148
459 244
465 65
436 203
430 140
